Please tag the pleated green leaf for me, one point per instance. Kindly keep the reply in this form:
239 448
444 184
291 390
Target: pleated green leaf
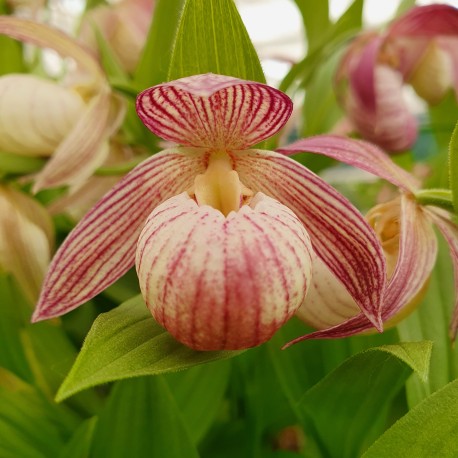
428 430
349 407
141 419
127 342
212 38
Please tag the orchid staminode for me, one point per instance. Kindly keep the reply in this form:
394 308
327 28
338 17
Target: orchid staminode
405 229
421 49
223 237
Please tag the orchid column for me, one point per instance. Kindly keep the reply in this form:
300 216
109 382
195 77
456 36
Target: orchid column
223 237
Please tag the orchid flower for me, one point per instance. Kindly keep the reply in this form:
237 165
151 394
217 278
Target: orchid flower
42 118
405 230
222 236
26 240
124 26
420 49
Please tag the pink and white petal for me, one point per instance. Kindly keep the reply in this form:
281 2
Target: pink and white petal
35 114
25 245
340 235
101 247
218 282
83 150
362 72
214 111
392 126
328 303
450 232
48 37
417 255
357 153
426 21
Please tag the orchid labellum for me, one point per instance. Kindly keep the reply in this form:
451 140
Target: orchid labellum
405 230
420 49
69 123
223 237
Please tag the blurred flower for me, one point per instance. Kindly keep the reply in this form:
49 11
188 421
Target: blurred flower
43 118
222 264
420 49
26 240
123 25
405 230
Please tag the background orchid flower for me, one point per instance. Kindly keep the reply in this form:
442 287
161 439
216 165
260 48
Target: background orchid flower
222 236
420 49
26 240
43 118
405 230
123 25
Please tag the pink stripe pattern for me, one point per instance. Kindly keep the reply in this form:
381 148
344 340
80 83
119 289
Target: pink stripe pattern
357 153
417 255
341 238
223 283
101 248
229 114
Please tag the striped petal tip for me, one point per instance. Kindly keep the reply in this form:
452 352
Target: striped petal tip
214 111
217 282
407 239
101 248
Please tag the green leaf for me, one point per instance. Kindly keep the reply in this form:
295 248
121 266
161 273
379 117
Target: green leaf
80 443
431 322
14 164
430 429
30 426
441 198
198 393
141 419
127 342
12 319
345 27
212 38
453 166
315 16
154 62
350 405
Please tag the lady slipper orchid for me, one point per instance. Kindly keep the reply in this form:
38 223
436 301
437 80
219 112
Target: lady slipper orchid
405 230
43 118
420 49
222 236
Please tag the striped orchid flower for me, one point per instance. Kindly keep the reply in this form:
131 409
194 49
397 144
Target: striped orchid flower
420 49
70 123
405 230
223 237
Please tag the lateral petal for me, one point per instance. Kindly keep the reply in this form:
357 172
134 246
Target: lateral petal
450 233
417 255
218 282
340 236
101 247
48 37
357 153
214 111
